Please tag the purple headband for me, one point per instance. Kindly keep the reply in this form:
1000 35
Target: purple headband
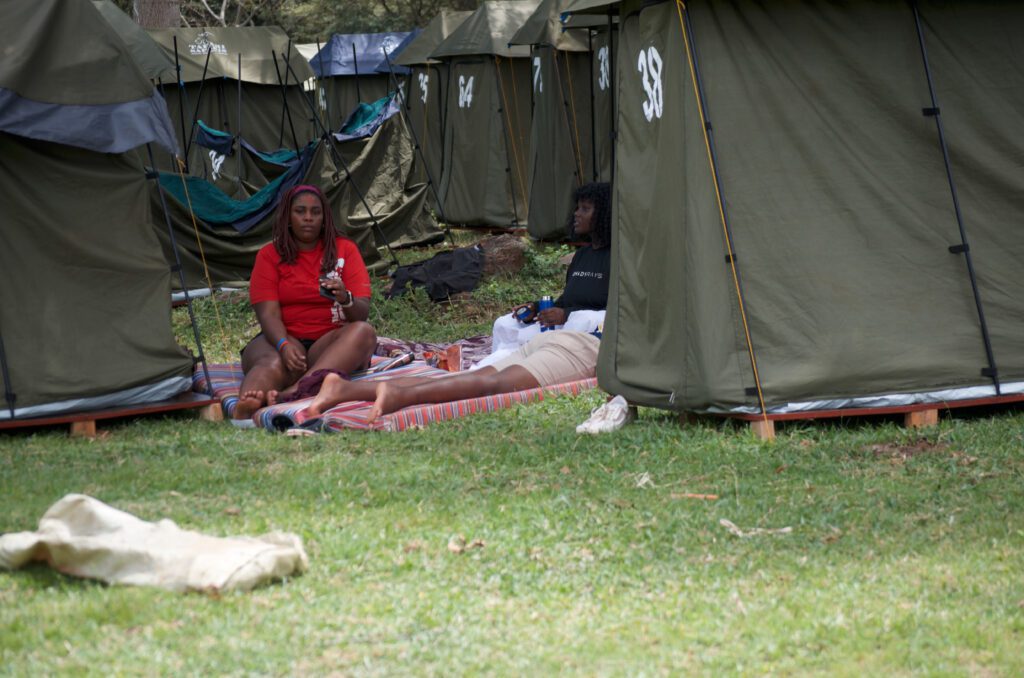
302 188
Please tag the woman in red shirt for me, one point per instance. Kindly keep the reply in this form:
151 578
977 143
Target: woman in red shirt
311 294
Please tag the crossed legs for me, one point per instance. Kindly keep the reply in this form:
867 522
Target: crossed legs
345 349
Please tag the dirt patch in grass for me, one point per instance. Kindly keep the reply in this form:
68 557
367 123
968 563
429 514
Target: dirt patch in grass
902 452
905 451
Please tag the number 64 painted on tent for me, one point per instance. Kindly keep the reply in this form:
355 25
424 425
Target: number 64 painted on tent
465 91
649 64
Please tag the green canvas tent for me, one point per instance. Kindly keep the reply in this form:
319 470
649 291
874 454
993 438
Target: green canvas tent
252 105
791 209
487 117
84 288
571 110
427 90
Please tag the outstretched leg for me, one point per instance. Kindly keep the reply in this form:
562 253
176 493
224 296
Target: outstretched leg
390 396
336 390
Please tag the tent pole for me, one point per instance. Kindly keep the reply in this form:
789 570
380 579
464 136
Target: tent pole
593 122
160 86
442 112
181 100
506 126
284 99
612 132
9 395
355 66
319 77
964 247
571 127
339 158
416 145
199 99
709 137
155 176
238 143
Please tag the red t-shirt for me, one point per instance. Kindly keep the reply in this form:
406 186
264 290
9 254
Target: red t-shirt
296 287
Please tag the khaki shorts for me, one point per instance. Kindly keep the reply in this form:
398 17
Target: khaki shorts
556 356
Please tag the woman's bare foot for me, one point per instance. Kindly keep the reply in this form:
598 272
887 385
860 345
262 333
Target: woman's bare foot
332 391
388 400
248 403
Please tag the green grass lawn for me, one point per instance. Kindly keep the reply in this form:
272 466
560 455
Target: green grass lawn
903 556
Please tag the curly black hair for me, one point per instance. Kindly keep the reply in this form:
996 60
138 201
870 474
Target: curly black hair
600 195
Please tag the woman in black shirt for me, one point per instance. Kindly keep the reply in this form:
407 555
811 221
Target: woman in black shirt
586 282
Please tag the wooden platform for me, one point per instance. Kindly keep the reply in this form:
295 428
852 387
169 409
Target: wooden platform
84 423
914 416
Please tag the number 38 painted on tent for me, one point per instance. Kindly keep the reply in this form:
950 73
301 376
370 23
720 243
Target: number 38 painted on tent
649 64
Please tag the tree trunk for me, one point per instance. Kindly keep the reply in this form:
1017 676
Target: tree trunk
157 13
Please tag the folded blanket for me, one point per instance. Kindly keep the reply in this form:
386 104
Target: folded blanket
84 537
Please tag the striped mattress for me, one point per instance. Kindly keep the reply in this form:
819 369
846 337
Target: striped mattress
227 380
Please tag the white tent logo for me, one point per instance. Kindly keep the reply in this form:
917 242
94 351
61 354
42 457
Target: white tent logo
649 64
424 86
465 91
216 160
604 81
204 43
538 81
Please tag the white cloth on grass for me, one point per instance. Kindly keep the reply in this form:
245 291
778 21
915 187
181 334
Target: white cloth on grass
83 537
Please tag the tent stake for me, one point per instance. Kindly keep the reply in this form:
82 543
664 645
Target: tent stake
284 98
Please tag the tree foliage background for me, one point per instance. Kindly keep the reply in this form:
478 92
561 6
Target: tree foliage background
305 20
